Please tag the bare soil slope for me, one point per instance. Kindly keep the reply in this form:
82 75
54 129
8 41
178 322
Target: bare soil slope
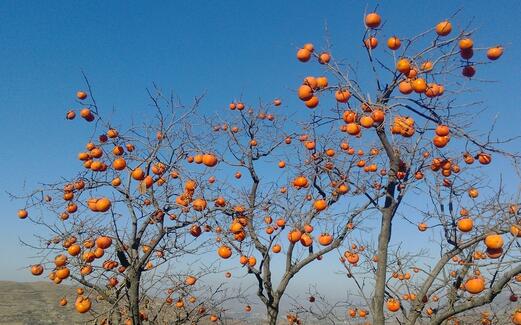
37 303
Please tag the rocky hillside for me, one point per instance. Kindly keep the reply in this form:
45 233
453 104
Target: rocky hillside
37 303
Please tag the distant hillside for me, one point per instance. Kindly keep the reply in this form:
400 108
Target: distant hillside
37 303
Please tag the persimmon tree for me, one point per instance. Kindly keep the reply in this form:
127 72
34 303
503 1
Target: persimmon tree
116 229
430 153
265 215
278 191
419 120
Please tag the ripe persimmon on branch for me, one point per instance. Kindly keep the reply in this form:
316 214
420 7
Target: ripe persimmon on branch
275 193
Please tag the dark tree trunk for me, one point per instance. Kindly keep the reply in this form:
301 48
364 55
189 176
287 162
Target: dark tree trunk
273 313
381 270
133 296
385 232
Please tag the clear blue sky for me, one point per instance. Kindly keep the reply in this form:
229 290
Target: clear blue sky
226 48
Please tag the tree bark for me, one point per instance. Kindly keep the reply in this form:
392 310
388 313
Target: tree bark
133 281
273 313
381 270
384 237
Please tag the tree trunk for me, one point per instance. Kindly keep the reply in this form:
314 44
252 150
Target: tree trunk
273 313
385 232
381 271
133 296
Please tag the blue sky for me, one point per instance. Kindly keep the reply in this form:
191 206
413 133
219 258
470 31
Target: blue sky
226 49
